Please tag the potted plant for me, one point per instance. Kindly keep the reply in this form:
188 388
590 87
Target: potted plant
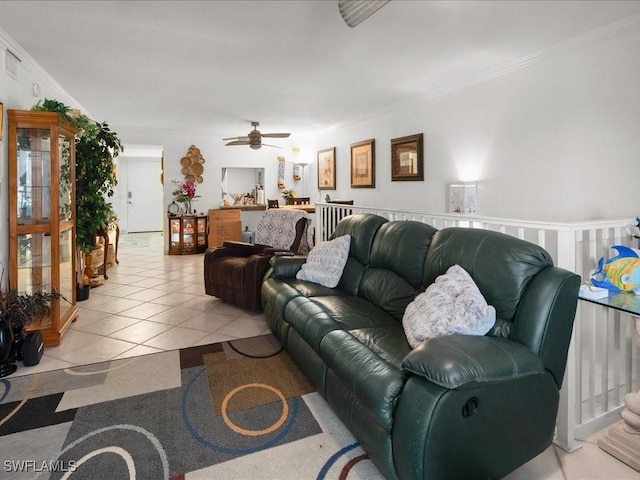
96 148
17 310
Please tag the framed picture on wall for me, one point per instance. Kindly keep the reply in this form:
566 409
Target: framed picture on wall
406 158
363 172
327 169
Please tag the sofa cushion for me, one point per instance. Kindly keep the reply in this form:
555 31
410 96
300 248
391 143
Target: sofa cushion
355 312
394 276
452 304
375 383
402 247
387 342
501 265
326 262
362 227
311 320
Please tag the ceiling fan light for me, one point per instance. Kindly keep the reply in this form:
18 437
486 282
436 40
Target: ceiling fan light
255 146
354 12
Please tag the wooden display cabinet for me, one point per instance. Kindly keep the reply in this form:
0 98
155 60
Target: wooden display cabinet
187 234
42 214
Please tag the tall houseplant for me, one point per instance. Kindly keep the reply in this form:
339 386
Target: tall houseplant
96 148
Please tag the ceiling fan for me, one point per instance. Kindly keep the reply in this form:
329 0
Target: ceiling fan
254 138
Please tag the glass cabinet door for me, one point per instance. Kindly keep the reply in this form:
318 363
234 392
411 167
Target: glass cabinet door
202 232
174 233
67 272
34 262
188 233
33 176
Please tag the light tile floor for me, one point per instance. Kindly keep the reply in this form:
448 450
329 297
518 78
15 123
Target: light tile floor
153 302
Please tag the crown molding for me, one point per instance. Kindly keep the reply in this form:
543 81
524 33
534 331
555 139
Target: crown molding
572 44
610 30
29 64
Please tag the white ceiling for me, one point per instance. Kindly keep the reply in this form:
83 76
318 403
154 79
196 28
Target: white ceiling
213 66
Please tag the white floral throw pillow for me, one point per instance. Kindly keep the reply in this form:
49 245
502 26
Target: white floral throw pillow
452 304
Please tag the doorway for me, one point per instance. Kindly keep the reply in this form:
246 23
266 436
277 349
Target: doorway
140 192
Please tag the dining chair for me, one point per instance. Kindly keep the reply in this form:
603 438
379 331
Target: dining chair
273 204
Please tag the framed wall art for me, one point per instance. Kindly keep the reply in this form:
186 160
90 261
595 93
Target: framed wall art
327 169
406 158
363 163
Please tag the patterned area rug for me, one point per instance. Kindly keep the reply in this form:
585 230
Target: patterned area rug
231 410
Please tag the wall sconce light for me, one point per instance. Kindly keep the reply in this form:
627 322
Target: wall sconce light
463 197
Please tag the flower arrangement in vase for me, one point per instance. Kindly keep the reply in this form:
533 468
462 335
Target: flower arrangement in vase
184 193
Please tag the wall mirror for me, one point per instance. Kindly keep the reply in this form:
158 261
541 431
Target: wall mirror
240 180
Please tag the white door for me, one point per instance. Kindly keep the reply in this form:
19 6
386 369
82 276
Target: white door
144 195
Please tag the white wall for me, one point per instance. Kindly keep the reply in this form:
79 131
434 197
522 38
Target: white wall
16 93
558 140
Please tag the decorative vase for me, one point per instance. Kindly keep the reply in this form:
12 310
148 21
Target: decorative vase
6 342
187 207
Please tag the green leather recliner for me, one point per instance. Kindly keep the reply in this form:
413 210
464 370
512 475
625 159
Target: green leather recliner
456 406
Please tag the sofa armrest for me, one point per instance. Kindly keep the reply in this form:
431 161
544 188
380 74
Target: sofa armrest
286 266
457 360
235 249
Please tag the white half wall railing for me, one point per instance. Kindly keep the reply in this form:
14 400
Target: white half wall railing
604 357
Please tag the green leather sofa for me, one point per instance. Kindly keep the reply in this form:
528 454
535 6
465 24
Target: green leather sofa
457 406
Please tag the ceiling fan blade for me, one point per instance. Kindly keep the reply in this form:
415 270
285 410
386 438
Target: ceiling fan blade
246 139
238 142
275 135
267 145
354 12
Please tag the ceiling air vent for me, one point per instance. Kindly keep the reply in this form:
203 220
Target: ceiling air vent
11 62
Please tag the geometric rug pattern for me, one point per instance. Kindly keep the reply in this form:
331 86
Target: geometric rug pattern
230 410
